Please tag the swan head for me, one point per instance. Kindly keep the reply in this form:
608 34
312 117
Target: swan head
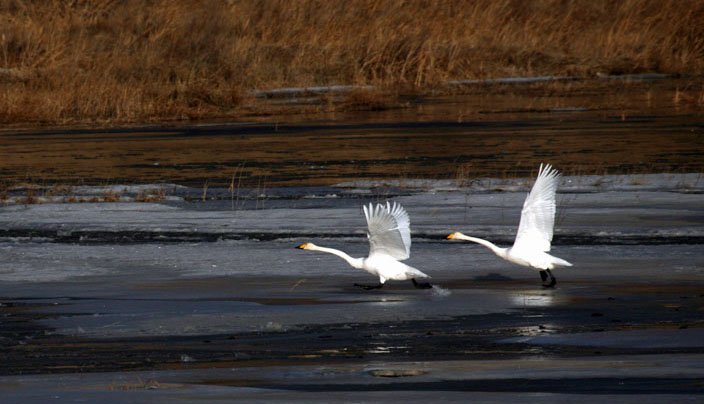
307 246
454 235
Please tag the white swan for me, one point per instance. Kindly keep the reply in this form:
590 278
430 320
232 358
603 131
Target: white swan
534 231
389 243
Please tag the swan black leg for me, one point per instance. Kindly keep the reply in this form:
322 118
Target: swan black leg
545 275
369 287
421 285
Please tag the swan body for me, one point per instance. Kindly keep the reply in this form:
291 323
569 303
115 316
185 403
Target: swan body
535 230
389 243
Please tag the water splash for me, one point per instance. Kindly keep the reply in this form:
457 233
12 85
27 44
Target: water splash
439 291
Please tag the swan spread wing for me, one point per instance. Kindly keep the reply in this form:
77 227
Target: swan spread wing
389 230
538 215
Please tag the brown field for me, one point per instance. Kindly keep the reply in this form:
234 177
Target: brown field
65 62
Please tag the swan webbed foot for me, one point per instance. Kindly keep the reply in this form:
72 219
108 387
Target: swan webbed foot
545 275
421 285
369 287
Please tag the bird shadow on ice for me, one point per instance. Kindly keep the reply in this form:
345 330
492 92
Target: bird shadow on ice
492 276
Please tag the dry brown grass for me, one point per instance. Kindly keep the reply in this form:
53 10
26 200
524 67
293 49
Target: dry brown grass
135 60
111 196
151 195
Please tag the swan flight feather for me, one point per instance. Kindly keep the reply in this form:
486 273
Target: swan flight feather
535 229
388 230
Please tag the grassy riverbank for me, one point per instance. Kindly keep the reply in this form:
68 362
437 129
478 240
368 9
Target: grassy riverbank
136 61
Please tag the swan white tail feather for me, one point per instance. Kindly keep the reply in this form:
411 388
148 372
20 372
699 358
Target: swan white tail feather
561 262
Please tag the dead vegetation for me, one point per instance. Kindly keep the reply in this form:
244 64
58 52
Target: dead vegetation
151 195
121 61
23 193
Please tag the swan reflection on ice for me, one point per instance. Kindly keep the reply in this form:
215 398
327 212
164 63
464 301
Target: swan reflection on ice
532 299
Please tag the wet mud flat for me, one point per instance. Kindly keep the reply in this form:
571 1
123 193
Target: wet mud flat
234 311
622 340
619 319
636 128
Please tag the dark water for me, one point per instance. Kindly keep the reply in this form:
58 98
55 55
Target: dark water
465 137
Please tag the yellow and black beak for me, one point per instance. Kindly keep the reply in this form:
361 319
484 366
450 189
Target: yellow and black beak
302 246
451 236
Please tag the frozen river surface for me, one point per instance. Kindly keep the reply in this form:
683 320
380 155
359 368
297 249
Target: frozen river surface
185 300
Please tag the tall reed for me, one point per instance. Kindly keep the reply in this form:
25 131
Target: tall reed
137 60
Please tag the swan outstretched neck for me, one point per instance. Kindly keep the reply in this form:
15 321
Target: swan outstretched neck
501 252
535 230
354 262
389 233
